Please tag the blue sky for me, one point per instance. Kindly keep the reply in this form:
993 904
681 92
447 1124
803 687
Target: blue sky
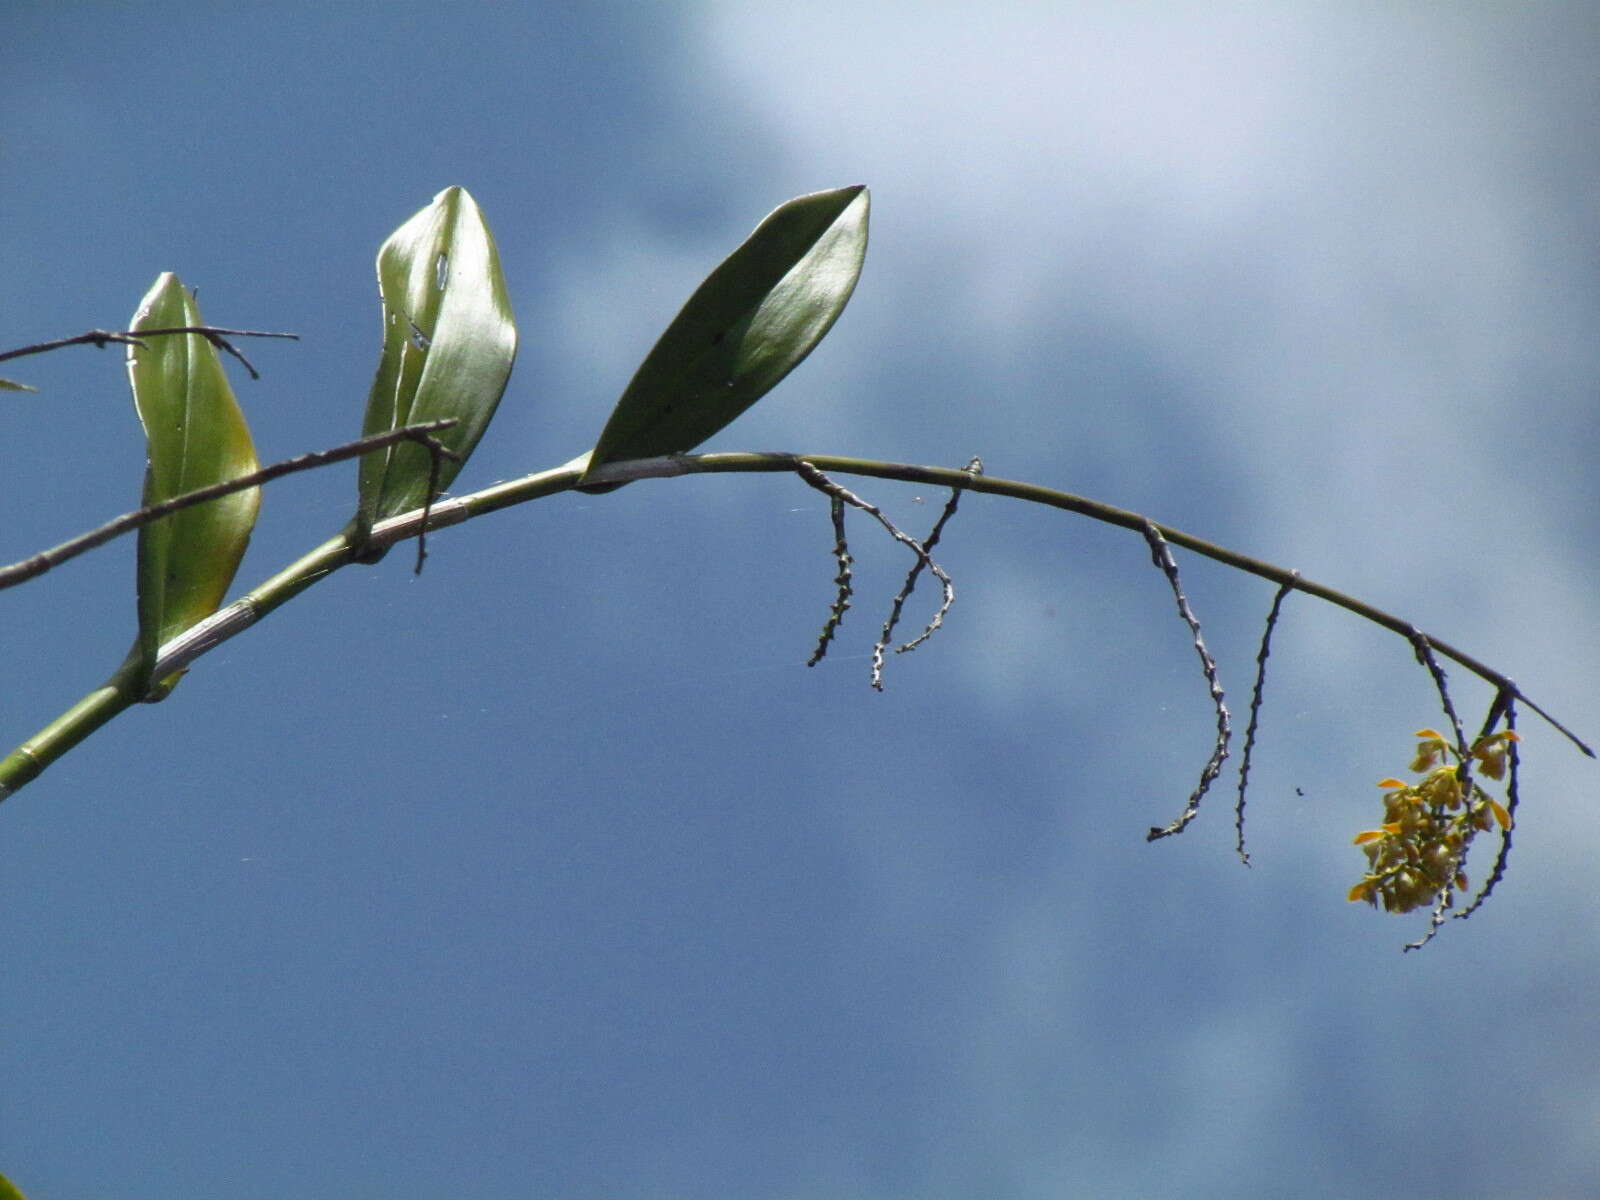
555 873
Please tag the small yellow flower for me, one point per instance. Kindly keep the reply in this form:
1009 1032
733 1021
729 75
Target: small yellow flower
1491 753
1414 856
1431 750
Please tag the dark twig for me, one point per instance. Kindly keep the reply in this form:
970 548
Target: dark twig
101 338
841 602
828 487
1161 554
38 564
1256 694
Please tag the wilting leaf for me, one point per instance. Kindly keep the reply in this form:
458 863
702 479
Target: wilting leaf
448 344
747 326
195 436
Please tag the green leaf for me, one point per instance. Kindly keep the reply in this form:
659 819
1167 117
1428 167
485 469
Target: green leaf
11 385
195 436
747 326
9 1190
448 344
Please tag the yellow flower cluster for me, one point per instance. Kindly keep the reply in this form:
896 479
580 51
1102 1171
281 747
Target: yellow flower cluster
1414 857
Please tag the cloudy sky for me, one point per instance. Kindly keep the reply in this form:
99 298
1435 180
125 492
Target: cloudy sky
556 873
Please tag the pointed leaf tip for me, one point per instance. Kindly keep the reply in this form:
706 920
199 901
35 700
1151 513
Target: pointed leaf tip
753 320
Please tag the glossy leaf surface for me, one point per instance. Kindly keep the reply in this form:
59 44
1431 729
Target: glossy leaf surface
448 344
195 436
747 326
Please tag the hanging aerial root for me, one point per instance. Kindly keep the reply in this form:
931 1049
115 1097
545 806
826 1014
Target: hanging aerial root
1257 691
841 602
1425 655
1513 761
843 495
974 467
1161 554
